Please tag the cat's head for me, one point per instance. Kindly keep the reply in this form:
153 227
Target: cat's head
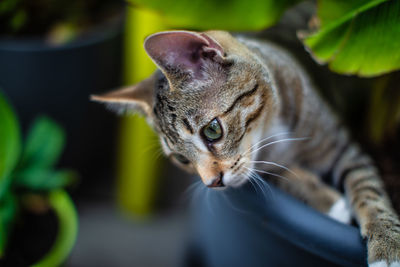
209 102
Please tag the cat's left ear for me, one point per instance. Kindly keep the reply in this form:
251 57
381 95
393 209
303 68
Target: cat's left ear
183 51
138 97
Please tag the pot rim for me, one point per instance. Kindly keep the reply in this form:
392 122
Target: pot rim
97 34
286 217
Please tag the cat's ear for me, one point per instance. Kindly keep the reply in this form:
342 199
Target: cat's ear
135 98
183 51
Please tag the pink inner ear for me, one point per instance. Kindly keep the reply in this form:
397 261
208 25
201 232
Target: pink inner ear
213 45
186 51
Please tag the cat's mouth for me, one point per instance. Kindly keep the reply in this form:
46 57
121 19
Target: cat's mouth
234 178
225 174
230 180
217 182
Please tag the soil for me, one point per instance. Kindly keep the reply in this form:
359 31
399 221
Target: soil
31 238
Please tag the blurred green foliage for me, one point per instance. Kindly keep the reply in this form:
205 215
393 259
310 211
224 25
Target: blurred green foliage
353 36
10 144
60 20
223 14
30 170
359 37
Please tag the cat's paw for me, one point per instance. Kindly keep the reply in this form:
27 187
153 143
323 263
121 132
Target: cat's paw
340 211
385 264
384 246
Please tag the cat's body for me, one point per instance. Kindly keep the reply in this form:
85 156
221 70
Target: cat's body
302 114
228 108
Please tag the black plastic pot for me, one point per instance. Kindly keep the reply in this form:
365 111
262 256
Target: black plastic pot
42 236
57 80
31 238
241 227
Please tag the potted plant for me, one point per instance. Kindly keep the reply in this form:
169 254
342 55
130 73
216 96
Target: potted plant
53 55
32 194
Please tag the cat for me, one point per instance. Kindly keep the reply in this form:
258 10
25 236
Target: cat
228 107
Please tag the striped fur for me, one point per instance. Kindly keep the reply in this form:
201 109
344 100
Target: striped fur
257 91
332 155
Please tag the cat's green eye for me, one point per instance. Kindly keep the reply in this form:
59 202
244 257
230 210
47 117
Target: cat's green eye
182 159
213 131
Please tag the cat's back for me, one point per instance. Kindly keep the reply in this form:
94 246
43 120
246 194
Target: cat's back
279 61
303 111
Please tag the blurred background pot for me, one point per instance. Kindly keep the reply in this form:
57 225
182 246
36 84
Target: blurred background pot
41 77
45 231
38 220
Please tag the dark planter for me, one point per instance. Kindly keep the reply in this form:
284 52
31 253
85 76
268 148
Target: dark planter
42 236
42 79
240 227
32 236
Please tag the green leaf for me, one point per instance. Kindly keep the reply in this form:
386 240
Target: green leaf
8 210
10 143
67 215
364 41
44 179
224 14
8 6
44 144
19 19
331 10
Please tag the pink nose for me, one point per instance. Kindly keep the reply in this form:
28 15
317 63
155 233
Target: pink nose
217 182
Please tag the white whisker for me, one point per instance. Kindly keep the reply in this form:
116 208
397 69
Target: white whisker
277 165
278 141
252 183
263 185
256 180
269 173
157 154
192 187
230 204
193 191
209 202
255 185
265 139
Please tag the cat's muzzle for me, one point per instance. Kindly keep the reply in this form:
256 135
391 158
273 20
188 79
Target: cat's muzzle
217 182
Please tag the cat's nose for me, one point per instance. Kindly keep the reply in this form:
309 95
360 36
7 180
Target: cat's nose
217 182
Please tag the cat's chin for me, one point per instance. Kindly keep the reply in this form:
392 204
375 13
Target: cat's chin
231 184
235 183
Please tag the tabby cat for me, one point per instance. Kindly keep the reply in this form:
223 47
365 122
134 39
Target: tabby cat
228 107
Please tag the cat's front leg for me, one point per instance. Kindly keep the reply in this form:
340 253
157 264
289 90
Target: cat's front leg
309 188
379 224
383 243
